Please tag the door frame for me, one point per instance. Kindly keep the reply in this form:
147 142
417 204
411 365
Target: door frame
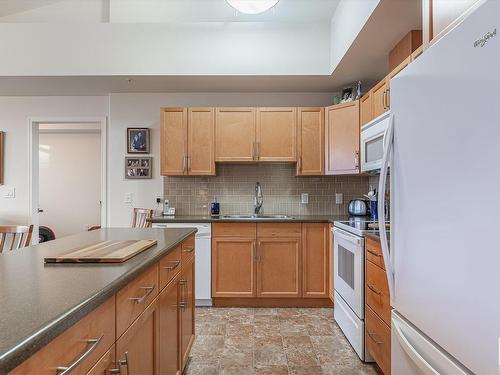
33 164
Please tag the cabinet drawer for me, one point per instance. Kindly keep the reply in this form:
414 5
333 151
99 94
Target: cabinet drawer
374 252
378 340
279 230
133 299
187 249
234 230
377 291
170 265
75 344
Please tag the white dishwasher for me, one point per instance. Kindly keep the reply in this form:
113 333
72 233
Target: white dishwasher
203 263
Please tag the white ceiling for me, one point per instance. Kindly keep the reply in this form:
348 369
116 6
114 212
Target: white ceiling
174 10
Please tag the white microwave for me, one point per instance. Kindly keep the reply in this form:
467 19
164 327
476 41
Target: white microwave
372 143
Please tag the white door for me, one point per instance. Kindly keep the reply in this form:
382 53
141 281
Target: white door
69 180
444 194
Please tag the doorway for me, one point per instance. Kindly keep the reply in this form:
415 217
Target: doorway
68 177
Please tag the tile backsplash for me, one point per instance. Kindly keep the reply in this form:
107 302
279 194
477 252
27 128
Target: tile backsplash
234 187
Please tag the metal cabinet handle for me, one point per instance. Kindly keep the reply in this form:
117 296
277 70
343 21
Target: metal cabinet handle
388 98
253 151
356 159
122 362
93 343
372 336
176 264
254 252
183 164
189 160
374 253
183 304
188 250
300 163
373 289
149 290
383 100
258 150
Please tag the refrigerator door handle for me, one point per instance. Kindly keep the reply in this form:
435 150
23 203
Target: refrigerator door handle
388 144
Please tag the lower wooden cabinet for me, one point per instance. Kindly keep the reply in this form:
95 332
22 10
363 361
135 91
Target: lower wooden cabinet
278 267
378 340
169 328
315 260
186 303
137 349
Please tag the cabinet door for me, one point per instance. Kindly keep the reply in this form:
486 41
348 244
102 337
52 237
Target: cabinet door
173 141
331 289
201 143
342 139
366 108
137 348
233 267
379 93
186 303
278 267
169 329
315 267
391 75
235 134
311 141
276 134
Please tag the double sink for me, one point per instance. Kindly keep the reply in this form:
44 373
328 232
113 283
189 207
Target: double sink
256 217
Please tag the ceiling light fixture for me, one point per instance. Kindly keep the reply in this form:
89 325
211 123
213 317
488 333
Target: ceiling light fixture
252 6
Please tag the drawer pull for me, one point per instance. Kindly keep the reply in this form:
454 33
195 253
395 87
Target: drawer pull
374 253
175 265
93 344
149 290
188 250
121 362
372 336
373 289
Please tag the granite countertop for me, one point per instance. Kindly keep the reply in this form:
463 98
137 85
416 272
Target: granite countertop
209 219
39 301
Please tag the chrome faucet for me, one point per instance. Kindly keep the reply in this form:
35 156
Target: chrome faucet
259 199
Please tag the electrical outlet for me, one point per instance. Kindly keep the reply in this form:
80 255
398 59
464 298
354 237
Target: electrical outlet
158 200
128 198
304 198
339 198
9 192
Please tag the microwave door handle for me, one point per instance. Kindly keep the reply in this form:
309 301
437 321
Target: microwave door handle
389 141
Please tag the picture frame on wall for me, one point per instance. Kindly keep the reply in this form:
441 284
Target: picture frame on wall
138 168
2 145
138 140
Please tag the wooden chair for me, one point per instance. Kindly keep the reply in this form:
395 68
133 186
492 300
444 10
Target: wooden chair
19 235
141 217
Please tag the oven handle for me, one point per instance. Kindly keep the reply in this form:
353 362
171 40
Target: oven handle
388 145
353 239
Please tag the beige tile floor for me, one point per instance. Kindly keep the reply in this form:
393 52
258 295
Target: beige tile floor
266 341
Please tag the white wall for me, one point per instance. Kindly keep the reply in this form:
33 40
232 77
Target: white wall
14 117
71 206
143 110
347 21
165 49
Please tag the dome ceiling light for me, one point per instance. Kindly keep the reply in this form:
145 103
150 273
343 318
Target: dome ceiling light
252 6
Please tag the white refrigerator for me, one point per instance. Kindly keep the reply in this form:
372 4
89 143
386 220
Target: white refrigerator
443 148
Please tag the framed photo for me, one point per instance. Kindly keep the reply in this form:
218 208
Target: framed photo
138 140
2 137
138 168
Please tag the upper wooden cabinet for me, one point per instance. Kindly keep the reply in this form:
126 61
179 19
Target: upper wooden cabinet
379 93
173 141
366 108
276 134
310 141
342 139
235 134
187 141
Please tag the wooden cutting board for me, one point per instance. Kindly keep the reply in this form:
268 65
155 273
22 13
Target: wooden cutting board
103 252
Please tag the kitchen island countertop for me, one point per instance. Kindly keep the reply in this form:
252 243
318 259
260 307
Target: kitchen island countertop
40 301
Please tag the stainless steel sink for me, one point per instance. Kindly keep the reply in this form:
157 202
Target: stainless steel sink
256 217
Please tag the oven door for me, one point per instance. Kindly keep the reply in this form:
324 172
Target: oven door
349 273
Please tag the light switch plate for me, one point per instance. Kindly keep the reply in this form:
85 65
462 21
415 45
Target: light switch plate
128 198
9 192
339 198
304 198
